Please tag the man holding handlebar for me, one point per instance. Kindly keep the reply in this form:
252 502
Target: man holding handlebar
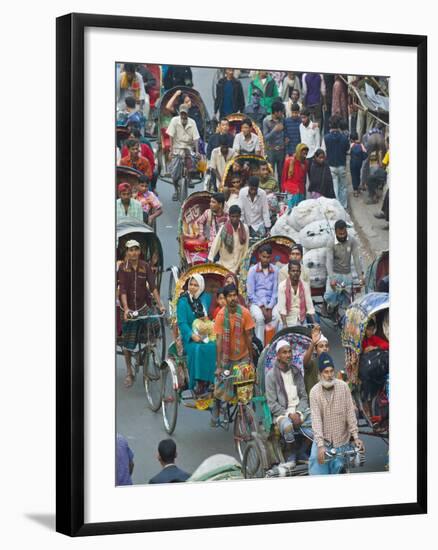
137 288
334 422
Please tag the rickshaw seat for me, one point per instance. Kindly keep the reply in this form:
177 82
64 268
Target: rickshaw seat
195 244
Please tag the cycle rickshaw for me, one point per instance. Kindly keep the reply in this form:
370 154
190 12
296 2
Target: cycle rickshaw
266 454
193 248
128 175
242 165
164 117
377 272
368 376
281 247
176 376
151 337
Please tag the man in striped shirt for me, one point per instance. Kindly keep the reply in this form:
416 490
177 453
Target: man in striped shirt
334 420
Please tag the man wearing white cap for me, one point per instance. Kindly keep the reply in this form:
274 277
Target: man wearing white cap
137 287
318 345
286 396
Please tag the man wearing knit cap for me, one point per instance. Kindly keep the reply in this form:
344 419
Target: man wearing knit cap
127 207
334 422
287 398
318 344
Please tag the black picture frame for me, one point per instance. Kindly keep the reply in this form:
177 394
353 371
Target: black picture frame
70 259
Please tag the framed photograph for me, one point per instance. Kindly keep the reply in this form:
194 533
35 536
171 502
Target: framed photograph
224 304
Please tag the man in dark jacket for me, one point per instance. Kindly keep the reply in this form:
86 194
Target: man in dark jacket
229 95
286 396
166 457
337 145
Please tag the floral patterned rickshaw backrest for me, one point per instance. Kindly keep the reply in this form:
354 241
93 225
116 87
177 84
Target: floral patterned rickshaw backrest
299 343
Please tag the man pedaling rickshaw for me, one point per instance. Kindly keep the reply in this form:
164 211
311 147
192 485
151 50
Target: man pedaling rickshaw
137 288
184 139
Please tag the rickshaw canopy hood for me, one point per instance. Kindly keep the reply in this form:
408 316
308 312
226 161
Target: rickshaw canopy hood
357 317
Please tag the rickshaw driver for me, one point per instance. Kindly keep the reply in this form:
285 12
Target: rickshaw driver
333 419
233 327
338 263
287 399
137 287
184 137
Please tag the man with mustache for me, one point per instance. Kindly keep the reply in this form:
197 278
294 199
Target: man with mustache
340 251
334 422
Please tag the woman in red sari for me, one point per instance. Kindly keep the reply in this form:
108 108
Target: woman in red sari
293 180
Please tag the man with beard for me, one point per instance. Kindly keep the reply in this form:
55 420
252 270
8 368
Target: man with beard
318 344
286 397
338 263
334 422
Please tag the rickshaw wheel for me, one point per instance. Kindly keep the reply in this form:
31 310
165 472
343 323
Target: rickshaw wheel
252 463
152 380
160 342
244 426
169 401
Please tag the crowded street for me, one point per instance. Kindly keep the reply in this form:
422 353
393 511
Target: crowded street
195 435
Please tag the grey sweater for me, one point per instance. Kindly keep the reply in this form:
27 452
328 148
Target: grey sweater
339 257
276 394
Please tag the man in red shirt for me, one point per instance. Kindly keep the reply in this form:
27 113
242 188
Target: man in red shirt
135 160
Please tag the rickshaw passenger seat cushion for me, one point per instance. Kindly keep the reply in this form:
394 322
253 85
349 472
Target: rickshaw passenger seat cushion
193 244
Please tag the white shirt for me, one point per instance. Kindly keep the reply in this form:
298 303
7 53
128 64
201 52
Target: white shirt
310 135
230 261
256 212
125 92
233 199
291 391
183 136
250 146
218 161
293 316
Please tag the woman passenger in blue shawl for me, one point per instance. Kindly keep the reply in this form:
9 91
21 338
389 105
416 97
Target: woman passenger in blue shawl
193 305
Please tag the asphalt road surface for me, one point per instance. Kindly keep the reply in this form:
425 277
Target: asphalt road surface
194 437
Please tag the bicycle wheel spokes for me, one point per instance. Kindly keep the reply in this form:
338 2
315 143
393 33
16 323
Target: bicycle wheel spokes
169 402
152 379
252 462
244 426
